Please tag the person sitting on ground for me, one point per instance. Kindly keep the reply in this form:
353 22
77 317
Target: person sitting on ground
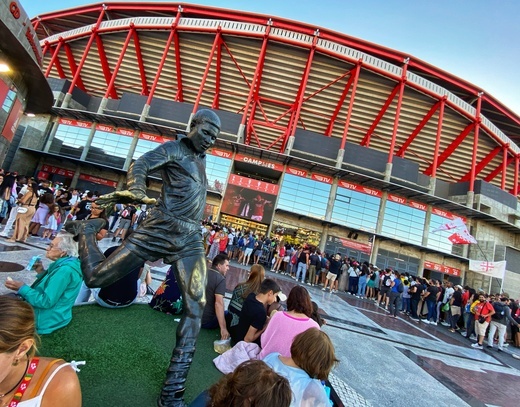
26 380
312 358
213 315
285 325
53 293
241 292
253 383
122 293
253 317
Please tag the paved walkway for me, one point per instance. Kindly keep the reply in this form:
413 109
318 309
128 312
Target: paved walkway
383 361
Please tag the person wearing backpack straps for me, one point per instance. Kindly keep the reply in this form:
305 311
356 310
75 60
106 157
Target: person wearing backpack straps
499 321
396 288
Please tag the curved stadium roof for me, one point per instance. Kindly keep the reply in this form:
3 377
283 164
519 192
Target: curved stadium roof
287 77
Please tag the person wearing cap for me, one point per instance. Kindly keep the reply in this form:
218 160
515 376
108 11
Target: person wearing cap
499 322
253 317
455 308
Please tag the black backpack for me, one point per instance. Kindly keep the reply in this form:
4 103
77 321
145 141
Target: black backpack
500 310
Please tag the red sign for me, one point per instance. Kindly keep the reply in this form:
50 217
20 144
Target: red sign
418 205
12 120
221 153
125 132
259 162
152 137
58 171
397 199
297 172
253 184
321 178
362 247
359 188
75 123
446 214
97 180
104 127
14 9
452 271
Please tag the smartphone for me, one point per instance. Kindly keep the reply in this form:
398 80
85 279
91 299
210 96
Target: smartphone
33 261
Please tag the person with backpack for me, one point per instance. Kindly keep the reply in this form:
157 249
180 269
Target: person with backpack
396 289
499 322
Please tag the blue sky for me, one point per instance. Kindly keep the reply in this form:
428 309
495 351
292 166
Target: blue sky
476 40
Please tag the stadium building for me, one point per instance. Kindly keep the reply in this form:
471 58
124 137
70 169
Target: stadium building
326 138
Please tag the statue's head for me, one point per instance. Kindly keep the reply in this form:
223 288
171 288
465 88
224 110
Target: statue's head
204 130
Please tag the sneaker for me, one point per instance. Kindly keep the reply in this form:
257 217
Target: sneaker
489 347
451 330
323 289
473 338
477 346
433 323
464 334
332 291
445 324
500 350
426 321
415 319
506 345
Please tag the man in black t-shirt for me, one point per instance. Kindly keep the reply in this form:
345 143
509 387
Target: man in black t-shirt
82 209
253 317
416 291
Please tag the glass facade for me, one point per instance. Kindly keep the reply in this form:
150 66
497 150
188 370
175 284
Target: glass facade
217 171
403 222
8 101
398 262
355 209
109 149
143 146
439 240
304 196
69 141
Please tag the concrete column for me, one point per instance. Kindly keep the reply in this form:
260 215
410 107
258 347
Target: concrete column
188 126
75 178
420 272
66 100
432 185
89 142
324 237
426 226
388 172
290 144
331 200
50 138
470 198
102 105
131 150
240 133
144 113
375 250
381 212
121 182
339 159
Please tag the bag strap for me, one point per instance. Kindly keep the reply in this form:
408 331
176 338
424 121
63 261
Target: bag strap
42 377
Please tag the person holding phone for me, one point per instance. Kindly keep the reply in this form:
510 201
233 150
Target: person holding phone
53 293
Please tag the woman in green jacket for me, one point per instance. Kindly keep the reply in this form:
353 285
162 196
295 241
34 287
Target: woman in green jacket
53 293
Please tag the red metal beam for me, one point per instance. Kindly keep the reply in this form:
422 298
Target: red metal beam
73 67
504 167
472 175
498 169
216 97
179 95
451 148
140 63
214 47
104 65
418 129
255 86
366 140
76 79
60 70
438 135
161 65
53 59
341 100
515 185
397 113
111 90
482 164
355 79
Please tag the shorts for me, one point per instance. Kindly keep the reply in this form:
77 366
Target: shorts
248 251
480 329
331 276
258 253
124 224
455 310
385 289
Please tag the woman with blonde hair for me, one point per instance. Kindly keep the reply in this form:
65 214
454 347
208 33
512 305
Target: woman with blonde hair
240 293
312 359
26 209
26 380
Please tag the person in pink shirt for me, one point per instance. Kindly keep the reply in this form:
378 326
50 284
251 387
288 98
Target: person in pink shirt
285 325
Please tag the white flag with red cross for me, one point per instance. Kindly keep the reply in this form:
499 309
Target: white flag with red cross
495 269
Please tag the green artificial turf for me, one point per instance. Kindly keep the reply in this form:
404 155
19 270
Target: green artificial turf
127 353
